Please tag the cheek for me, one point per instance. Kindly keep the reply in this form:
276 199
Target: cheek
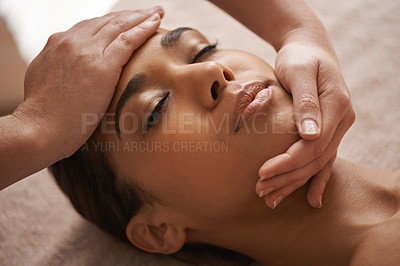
243 63
199 179
187 123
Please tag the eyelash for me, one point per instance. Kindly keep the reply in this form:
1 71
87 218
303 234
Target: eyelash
204 50
155 114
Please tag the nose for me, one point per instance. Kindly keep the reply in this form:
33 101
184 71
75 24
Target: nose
205 81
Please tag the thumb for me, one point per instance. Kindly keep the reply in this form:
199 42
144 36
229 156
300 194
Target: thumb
307 113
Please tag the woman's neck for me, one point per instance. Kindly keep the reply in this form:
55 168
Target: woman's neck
356 200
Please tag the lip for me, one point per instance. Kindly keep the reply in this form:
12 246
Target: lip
253 96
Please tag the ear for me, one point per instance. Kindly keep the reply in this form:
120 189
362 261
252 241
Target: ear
164 238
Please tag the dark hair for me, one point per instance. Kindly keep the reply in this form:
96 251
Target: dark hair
89 182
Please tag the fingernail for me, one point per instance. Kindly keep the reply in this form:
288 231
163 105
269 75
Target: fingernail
320 202
267 176
309 127
154 17
277 201
265 192
151 20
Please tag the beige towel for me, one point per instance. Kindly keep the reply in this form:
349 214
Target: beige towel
37 224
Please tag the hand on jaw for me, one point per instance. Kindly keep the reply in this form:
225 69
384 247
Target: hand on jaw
323 114
306 65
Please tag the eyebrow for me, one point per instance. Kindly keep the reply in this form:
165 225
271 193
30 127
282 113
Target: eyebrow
171 38
135 85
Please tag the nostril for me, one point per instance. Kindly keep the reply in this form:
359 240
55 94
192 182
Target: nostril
214 88
228 75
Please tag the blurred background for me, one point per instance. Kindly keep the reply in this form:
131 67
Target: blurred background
25 26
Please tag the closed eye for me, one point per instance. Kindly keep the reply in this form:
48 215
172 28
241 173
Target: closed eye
154 116
207 49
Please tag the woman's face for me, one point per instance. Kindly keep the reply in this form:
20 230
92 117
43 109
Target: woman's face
196 123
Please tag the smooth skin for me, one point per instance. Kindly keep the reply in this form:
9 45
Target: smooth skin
306 66
64 82
207 196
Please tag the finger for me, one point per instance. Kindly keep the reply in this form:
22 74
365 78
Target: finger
99 23
120 50
92 26
298 176
318 184
266 186
273 199
302 84
284 187
303 151
122 23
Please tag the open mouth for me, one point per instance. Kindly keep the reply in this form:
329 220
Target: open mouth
253 96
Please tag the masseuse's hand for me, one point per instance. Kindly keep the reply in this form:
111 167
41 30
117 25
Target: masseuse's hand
323 114
73 79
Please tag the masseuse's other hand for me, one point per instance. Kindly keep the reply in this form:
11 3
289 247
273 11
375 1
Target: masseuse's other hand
323 114
73 79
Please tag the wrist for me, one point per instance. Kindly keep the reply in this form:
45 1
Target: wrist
24 148
297 22
313 33
35 132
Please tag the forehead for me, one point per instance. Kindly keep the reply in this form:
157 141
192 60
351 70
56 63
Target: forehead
163 43
142 59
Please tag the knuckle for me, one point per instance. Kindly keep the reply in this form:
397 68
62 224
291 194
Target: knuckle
119 22
137 35
140 29
291 160
351 116
345 99
295 65
298 67
66 42
55 37
125 38
83 22
319 149
307 101
63 43
321 161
